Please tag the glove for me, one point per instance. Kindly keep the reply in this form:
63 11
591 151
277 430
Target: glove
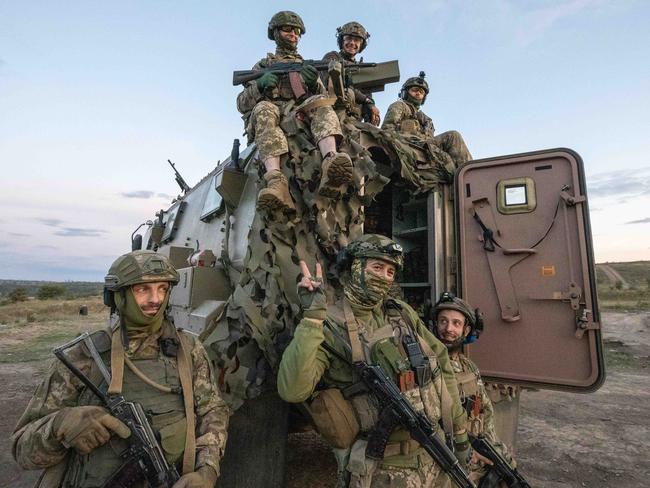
204 477
309 75
311 294
86 428
267 81
463 452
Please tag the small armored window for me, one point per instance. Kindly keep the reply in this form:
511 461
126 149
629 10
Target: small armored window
516 195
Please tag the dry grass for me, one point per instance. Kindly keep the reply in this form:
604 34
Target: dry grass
29 330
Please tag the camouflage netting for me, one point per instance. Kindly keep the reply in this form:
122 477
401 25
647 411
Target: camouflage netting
247 339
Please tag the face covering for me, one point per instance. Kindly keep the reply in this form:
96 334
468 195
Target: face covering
283 46
135 320
365 289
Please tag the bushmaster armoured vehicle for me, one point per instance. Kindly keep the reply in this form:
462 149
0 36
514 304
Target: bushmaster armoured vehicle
510 234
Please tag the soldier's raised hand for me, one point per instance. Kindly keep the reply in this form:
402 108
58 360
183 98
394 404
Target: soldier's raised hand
311 293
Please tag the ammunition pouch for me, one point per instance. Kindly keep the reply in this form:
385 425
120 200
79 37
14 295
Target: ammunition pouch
334 418
410 126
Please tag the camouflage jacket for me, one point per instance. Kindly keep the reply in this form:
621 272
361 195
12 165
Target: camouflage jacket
405 118
358 98
35 446
480 412
250 95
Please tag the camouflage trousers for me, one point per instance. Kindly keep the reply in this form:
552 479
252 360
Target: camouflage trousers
453 144
272 141
427 476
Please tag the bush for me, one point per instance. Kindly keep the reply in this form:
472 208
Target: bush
46 292
18 295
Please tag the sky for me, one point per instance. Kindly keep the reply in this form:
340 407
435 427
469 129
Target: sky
96 96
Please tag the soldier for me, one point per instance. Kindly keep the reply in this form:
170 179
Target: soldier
352 39
267 101
367 323
456 323
405 116
76 441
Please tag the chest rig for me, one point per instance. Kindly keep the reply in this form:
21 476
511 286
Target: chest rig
467 379
416 123
283 92
155 381
410 362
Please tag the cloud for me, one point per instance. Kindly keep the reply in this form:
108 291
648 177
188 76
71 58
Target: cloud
138 194
50 222
78 232
625 183
165 196
46 246
539 21
18 234
640 221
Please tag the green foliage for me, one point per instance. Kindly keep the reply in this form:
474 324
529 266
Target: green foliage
73 288
18 295
46 292
618 285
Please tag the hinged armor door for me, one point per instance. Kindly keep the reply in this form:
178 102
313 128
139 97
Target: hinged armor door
526 260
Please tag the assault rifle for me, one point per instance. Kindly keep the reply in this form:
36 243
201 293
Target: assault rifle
398 411
244 76
500 469
144 459
179 179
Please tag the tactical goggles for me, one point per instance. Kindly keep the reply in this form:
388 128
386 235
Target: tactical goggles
290 28
393 248
446 297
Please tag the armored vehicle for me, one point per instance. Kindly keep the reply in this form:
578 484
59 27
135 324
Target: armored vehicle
510 234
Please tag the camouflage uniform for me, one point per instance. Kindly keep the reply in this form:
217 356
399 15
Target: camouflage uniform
480 412
56 432
404 117
306 364
358 101
35 446
264 115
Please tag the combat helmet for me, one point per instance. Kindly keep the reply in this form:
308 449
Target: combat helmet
415 81
371 246
285 17
449 301
352 29
137 267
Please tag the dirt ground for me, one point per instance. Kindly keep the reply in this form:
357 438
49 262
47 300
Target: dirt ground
564 440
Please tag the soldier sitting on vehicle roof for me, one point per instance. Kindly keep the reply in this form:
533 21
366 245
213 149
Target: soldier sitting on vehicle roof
406 117
272 98
352 39
456 323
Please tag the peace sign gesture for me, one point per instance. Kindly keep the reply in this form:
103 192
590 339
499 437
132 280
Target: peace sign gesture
311 293
307 281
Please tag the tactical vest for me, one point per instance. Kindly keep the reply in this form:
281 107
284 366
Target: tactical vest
165 411
283 91
467 379
417 122
383 346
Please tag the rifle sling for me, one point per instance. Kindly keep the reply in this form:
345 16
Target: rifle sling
183 361
353 333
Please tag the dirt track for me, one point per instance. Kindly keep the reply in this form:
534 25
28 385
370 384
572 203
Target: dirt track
565 440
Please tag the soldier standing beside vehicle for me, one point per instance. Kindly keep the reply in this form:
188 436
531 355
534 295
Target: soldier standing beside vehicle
77 442
456 323
367 325
405 116
267 101
352 39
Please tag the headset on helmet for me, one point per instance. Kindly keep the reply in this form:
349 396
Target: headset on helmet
415 81
371 246
449 301
352 29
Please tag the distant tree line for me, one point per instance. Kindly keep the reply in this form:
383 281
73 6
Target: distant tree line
19 291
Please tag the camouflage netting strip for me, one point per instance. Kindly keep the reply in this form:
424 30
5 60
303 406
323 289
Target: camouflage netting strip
247 340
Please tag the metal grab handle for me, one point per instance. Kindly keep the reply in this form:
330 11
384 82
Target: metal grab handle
509 252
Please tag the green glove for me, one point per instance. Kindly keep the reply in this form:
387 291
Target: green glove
267 81
204 477
309 75
313 303
86 428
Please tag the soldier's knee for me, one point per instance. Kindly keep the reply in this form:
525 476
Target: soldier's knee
266 112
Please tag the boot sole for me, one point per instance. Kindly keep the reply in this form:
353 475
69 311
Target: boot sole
270 203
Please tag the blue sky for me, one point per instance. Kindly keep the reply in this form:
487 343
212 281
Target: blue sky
96 96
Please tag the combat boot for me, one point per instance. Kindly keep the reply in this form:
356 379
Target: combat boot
276 194
335 171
